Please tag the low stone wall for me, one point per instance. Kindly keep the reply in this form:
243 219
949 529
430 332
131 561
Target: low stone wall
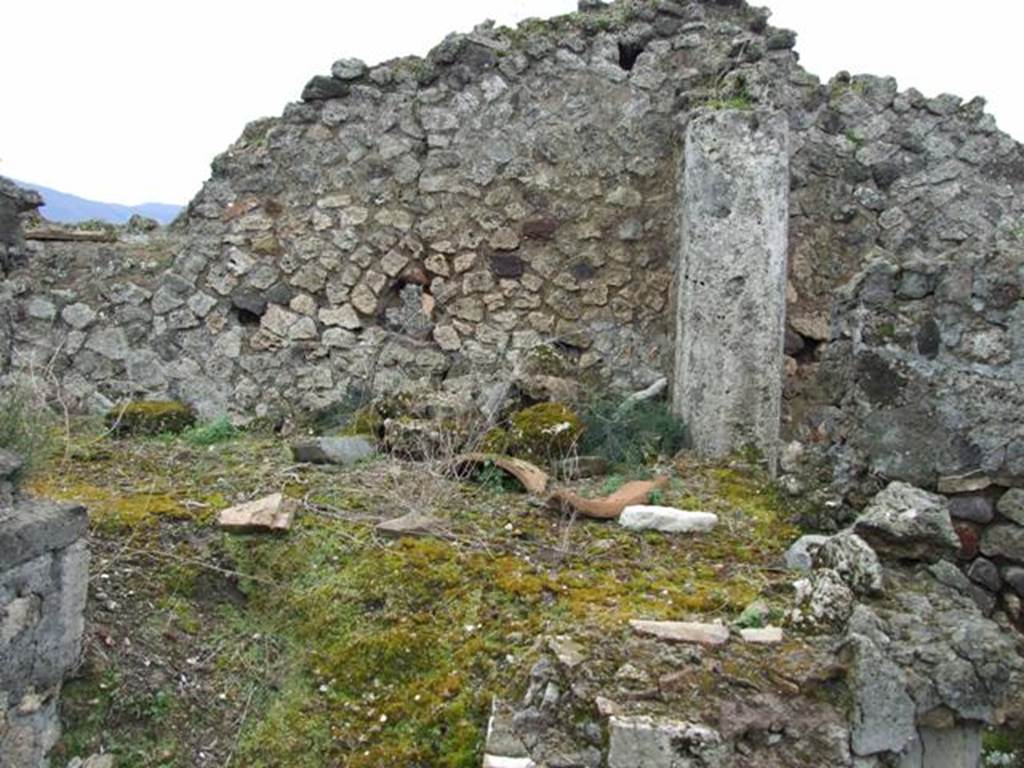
44 567
990 523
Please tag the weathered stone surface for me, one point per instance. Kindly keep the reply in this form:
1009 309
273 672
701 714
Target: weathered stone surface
1014 577
333 450
908 523
966 483
44 576
985 573
762 636
320 88
884 715
348 69
1005 540
972 507
666 519
856 563
1011 505
953 747
567 651
414 524
823 600
659 743
271 514
800 555
732 281
682 631
79 316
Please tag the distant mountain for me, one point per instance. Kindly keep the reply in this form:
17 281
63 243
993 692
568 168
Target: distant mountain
69 209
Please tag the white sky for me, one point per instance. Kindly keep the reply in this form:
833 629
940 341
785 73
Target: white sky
113 101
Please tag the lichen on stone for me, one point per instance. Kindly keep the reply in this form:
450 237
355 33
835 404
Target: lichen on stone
150 417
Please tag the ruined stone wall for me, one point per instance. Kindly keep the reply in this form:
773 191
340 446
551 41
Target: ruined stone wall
44 575
434 220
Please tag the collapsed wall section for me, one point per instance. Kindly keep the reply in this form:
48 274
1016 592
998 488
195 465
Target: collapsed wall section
430 222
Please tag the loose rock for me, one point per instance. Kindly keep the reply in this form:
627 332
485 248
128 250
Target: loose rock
333 450
415 524
763 636
270 514
666 519
799 556
907 523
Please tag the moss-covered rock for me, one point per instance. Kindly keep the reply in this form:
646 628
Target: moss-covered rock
544 432
365 422
150 417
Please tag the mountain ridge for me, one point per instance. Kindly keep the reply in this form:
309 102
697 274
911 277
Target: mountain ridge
66 208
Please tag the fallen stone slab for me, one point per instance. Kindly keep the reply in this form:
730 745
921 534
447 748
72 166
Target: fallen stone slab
682 631
333 450
271 514
416 524
656 743
666 519
762 635
530 476
607 507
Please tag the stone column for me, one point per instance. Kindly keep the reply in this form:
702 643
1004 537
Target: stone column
731 276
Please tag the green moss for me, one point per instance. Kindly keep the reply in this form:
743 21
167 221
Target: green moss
389 653
366 421
212 432
544 432
150 417
497 440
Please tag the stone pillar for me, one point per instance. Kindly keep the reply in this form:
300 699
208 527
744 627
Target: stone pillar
44 569
731 285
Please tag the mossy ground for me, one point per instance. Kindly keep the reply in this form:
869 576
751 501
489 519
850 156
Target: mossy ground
332 646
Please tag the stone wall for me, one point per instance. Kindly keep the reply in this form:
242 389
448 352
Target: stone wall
430 222
14 201
44 576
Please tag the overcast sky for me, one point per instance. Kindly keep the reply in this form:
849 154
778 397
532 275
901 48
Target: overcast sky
116 102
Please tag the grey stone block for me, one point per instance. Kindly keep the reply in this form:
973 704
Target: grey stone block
730 325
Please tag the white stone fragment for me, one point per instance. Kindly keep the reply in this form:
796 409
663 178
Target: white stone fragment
764 636
668 519
683 631
495 761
